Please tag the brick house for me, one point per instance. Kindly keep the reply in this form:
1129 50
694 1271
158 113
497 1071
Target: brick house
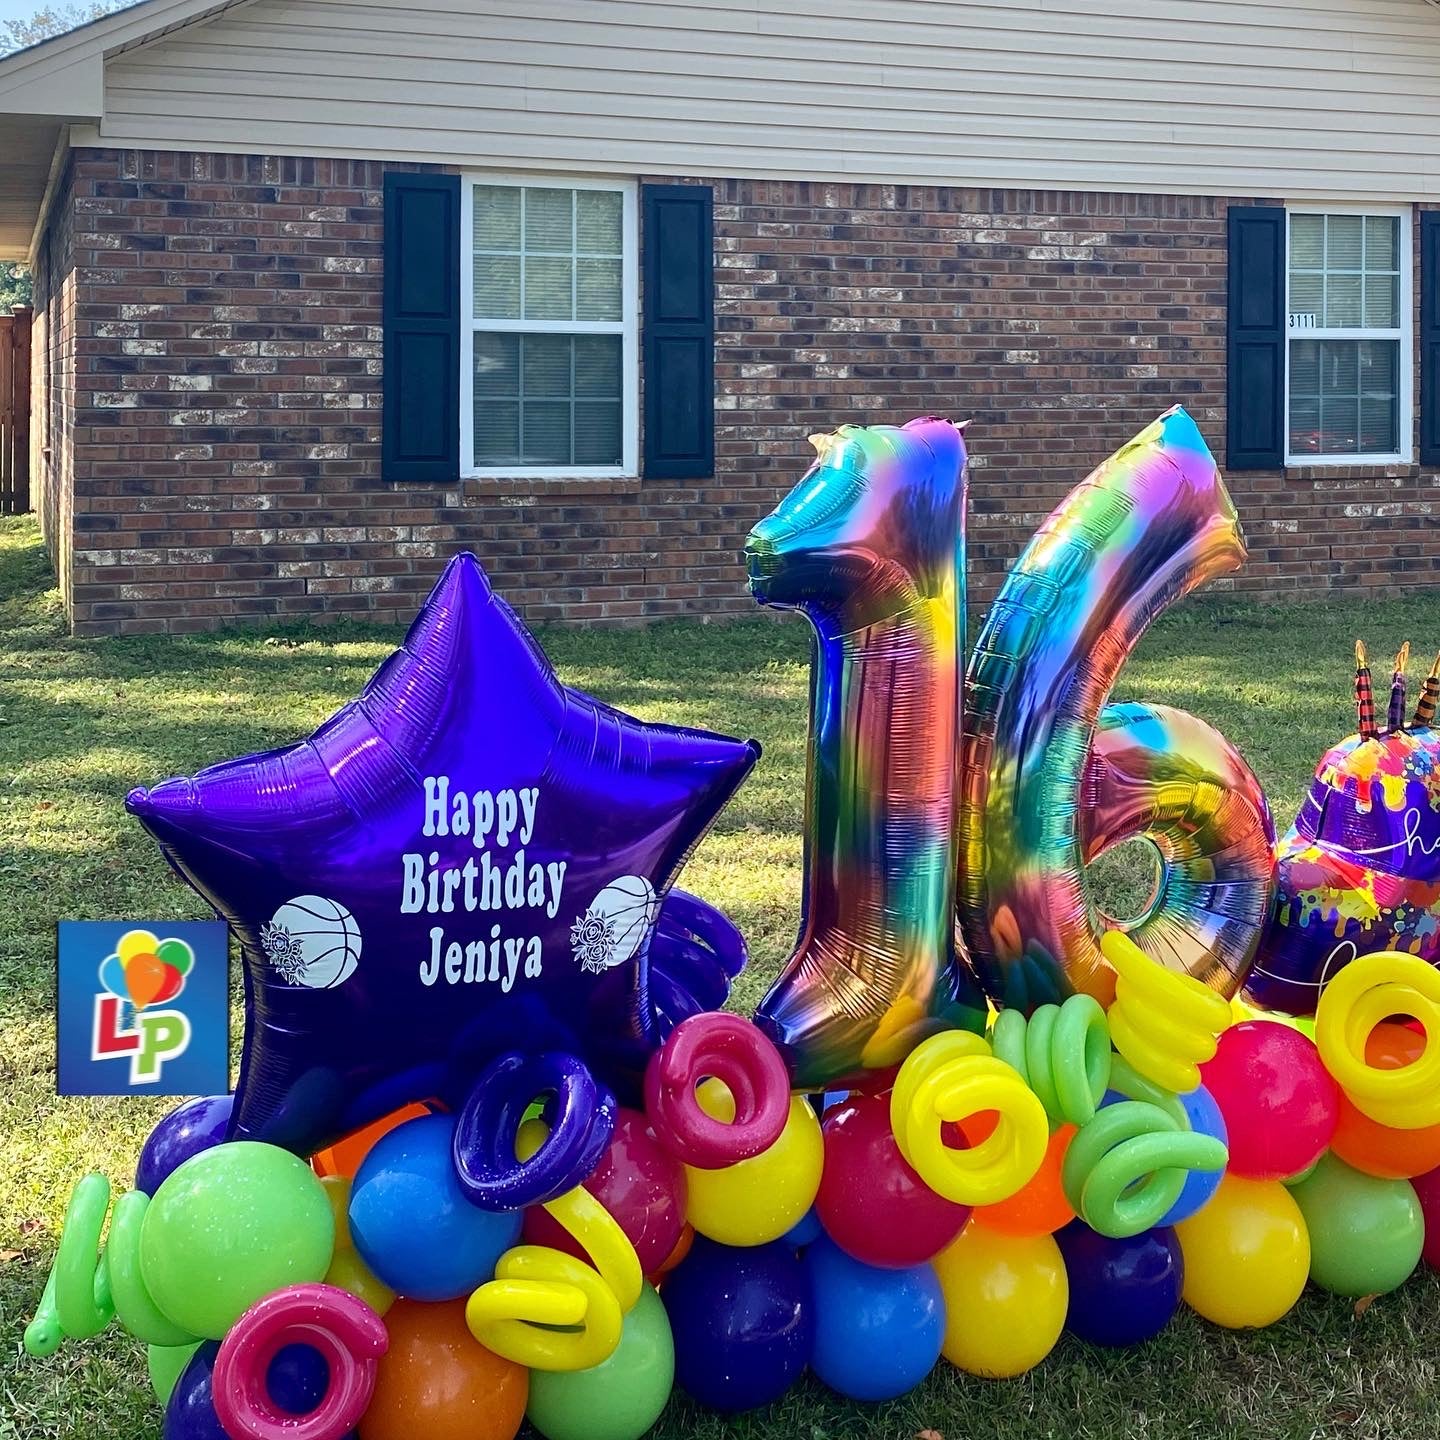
322 296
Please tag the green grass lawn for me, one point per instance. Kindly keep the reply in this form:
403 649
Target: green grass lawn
83 721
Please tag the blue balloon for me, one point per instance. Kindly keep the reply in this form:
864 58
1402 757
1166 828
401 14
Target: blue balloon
185 1131
877 1332
469 859
190 1411
1200 1185
805 1231
743 1323
412 1223
298 1378
1122 1292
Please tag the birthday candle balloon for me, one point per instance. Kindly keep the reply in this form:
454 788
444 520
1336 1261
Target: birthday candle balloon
870 547
1146 527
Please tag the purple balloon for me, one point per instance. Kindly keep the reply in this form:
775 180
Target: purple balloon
186 1130
293 1377
743 1322
467 860
1122 1292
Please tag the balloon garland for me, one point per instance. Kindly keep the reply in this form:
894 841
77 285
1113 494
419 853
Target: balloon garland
573 1193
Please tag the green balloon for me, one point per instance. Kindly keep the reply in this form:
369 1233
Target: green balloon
166 1364
176 953
232 1224
619 1399
1365 1233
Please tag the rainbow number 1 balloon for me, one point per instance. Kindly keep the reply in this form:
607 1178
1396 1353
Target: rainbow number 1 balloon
870 547
1146 527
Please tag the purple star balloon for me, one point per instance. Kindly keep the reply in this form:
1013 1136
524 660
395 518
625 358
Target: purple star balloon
459 871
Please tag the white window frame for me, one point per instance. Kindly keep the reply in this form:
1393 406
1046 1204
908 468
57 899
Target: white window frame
628 329
1405 399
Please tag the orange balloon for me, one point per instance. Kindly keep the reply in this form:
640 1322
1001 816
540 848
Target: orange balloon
1365 1144
1040 1206
437 1381
145 977
344 1156
681 1250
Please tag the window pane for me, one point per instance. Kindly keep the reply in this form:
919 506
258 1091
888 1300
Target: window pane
597 366
597 433
497 287
1307 241
546 366
546 438
497 365
1307 295
1382 302
549 221
1343 240
1344 397
497 432
497 217
1382 242
1342 300
597 290
549 292
597 221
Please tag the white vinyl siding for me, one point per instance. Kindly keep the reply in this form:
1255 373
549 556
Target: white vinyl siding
1303 98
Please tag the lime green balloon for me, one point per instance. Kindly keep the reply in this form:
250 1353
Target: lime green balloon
1365 1233
232 1224
166 1364
619 1399
176 953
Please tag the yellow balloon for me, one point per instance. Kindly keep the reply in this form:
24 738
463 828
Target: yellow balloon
347 1270
1247 1254
761 1198
1005 1301
136 942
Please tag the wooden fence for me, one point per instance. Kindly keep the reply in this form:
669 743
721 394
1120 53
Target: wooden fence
15 412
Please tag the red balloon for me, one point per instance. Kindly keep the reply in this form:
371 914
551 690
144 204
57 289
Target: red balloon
1427 1187
1279 1102
871 1203
640 1183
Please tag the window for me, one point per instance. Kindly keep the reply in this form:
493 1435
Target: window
1348 336
548 349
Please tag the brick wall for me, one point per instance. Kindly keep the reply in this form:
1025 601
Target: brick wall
52 385
227 446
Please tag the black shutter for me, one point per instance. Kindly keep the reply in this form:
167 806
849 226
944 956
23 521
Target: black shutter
421 414
1429 337
1255 339
678 346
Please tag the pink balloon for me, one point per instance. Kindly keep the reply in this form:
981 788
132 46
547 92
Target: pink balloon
1427 1187
347 1333
640 1183
733 1051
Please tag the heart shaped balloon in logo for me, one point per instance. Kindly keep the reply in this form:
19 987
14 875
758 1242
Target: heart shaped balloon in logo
463 868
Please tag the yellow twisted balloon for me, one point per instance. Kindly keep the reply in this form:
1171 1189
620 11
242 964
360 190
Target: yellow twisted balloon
952 1077
547 1310
1367 991
1165 1024
1062 1052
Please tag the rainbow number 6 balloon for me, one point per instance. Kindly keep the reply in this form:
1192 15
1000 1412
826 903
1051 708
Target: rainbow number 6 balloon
870 547
1146 527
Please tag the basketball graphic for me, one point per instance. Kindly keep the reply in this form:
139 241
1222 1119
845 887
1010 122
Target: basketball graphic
312 941
615 925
